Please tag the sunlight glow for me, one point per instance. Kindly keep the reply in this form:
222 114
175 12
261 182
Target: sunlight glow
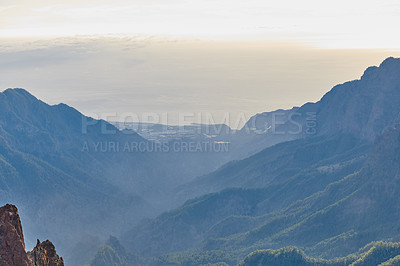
330 24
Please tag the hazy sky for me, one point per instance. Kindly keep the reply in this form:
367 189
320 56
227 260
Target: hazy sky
217 56
328 23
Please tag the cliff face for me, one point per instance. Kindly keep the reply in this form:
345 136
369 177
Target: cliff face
363 107
12 245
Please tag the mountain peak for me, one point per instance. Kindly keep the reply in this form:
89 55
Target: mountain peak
369 72
389 62
9 214
17 91
18 97
45 254
12 246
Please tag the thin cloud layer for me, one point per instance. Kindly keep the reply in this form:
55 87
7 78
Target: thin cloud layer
100 75
333 24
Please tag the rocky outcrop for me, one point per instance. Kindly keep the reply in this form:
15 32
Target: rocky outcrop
44 254
12 245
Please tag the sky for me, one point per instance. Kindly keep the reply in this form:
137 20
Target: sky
191 56
333 24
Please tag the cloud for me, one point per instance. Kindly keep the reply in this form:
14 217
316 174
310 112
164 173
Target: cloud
334 24
5 8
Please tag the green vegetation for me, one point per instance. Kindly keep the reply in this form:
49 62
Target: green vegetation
381 253
392 262
215 258
238 218
336 221
113 254
328 194
373 254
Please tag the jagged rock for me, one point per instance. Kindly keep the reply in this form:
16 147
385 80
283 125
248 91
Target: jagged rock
44 254
12 245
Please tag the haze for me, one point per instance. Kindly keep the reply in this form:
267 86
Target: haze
118 57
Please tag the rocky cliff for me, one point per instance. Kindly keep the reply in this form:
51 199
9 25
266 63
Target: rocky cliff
45 254
12 245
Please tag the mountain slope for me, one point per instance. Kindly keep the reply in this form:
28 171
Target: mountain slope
113 253
44 169
345 216
363 107
56 162
381 253
236 210
320 193
360 109
336 221
322 157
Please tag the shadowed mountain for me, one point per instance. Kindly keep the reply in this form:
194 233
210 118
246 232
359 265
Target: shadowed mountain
46 169
329 193
336 221
265 183
360 109
323 159
56 162
113 253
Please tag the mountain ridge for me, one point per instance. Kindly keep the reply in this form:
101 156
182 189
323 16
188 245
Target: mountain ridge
334 114
327 197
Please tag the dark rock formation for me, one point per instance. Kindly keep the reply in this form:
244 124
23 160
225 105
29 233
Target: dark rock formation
12 245
44 254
